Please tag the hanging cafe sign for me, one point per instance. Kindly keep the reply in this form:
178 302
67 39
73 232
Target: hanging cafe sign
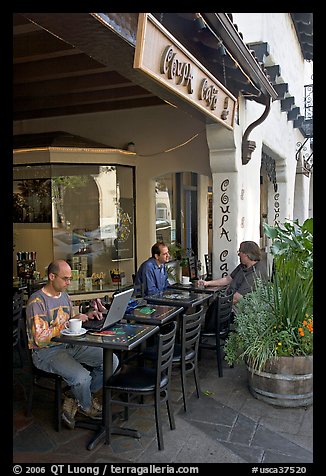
162 57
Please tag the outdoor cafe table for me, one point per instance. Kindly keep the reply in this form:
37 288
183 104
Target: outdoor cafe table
173 297
124 337
212 290
160 316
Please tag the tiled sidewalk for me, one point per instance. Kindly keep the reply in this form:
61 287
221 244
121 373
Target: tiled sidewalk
226 425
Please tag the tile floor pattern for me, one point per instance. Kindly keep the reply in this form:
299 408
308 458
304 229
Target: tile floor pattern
226 425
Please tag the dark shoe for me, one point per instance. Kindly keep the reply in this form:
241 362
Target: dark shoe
95 412
69 409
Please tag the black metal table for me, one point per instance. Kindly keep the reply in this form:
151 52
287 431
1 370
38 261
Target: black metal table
212 290
160 315
121 336
177 297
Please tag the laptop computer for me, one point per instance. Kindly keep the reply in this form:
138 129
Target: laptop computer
115 313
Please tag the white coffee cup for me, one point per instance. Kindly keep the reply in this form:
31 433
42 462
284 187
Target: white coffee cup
185 280
74 325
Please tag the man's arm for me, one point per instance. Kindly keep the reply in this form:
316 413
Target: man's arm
236 297
166 284
225 281
151 282
149 279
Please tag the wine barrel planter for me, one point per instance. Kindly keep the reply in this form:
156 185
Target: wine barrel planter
284 382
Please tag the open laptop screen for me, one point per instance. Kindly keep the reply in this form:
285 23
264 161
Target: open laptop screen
115 313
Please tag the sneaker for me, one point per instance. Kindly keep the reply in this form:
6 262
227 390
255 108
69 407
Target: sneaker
97 404
69 409
95 412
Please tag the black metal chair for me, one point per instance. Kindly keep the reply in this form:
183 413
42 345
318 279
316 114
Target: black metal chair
18 325
222 316
192 267
185 354
132 386
37 376
208 266
59 387
21 342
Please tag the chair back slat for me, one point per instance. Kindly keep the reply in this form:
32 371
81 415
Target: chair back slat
165 352
192 266
223 310
186 352
17 305
225 303
191 329
208 266
218 325
17 323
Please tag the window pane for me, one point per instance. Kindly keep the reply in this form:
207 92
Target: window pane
165 220
91 210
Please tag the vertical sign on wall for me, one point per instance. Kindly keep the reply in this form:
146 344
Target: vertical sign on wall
223 226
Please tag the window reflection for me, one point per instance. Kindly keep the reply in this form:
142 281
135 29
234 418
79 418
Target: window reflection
90 209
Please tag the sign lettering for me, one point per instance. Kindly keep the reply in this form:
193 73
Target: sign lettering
225 209
172 67
161 56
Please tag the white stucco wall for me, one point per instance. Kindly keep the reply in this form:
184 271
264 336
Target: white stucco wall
276 136
276 132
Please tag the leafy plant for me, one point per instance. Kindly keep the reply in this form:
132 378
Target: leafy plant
276 319
292 249
179 253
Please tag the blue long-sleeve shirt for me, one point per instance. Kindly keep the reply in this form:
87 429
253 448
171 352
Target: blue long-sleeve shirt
151 278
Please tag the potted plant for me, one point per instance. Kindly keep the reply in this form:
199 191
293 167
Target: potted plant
180 256
274 323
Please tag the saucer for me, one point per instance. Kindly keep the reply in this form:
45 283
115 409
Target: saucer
66 332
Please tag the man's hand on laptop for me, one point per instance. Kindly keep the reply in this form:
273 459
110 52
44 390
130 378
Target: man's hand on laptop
94 315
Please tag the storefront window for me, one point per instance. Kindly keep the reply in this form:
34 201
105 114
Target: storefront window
89 212
176 210
165 209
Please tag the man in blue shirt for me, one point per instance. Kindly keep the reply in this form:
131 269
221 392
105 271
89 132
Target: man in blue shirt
152 275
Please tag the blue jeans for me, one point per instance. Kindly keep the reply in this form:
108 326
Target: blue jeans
66 360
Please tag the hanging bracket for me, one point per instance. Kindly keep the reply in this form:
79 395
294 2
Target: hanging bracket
248 146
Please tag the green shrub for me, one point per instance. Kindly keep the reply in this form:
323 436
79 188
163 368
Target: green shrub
276 319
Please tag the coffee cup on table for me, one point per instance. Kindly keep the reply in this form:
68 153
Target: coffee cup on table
185 280
74 325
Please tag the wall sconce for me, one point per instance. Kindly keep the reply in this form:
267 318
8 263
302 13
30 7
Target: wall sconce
131 147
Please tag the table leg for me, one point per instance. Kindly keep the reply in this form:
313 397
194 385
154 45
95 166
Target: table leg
100 433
